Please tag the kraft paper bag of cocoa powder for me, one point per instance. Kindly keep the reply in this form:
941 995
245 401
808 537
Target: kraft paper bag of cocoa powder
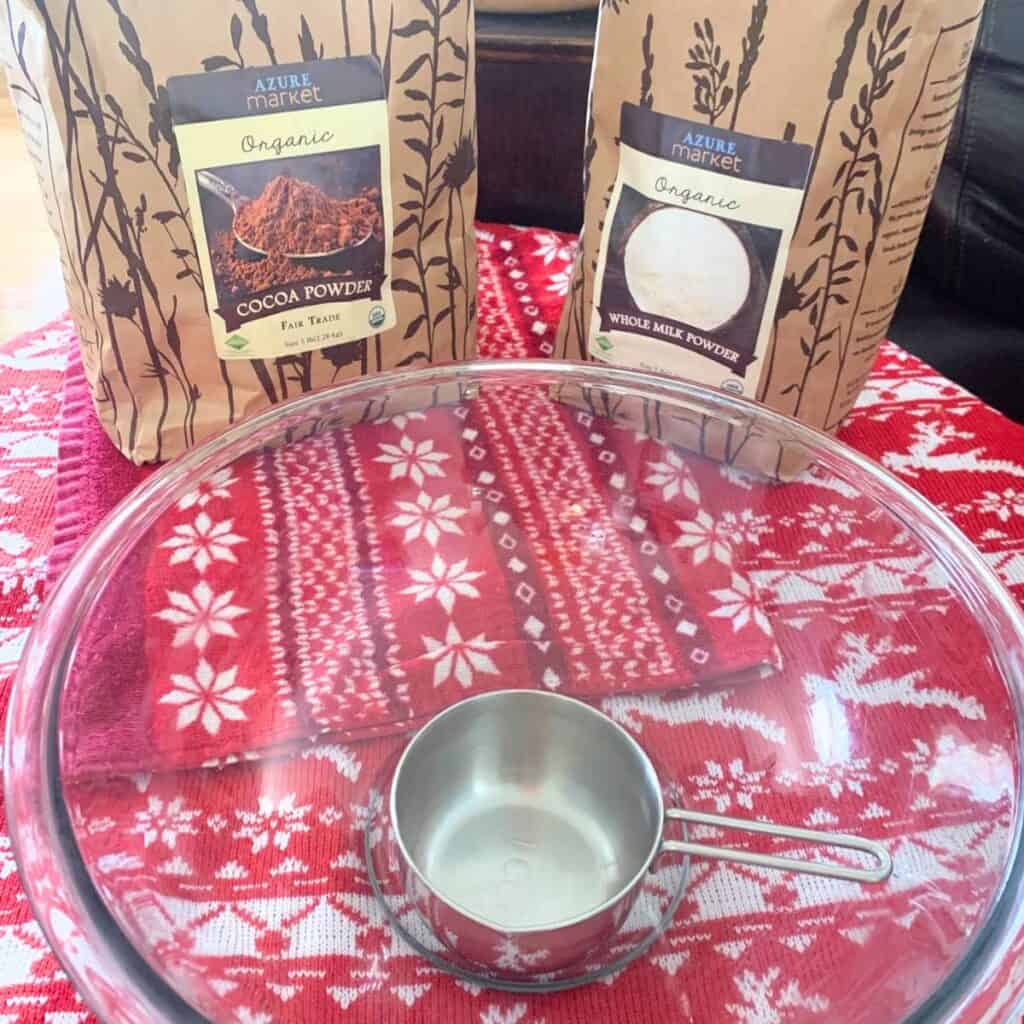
756 176
152 125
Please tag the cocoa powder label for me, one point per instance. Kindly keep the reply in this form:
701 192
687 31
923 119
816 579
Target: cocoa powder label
691 259
287 174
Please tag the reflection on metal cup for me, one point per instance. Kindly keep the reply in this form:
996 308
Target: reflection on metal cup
526 822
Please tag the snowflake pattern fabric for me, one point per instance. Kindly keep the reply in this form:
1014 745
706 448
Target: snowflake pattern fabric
388 568
746 947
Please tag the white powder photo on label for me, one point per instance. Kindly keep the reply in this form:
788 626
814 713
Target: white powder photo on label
688 267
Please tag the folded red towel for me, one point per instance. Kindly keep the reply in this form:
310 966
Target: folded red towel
92 475
356 582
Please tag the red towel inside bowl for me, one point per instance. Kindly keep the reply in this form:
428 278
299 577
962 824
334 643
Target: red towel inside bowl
356 582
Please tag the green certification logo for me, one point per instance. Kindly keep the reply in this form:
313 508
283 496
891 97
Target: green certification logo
237 342
604 343
377 316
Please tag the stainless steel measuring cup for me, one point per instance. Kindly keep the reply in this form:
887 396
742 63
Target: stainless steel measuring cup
525 822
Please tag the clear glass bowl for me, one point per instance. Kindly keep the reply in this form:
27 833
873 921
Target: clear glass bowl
207 705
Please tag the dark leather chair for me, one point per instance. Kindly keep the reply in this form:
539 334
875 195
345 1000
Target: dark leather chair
963 310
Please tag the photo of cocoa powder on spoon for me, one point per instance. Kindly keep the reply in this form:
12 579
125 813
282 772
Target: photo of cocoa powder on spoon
291 231
299 220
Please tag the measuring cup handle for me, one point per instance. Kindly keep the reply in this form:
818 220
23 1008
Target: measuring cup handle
222 189
879 873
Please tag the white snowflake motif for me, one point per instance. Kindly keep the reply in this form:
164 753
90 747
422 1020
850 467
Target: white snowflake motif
739 603
428 518
201 615
207 697
558 284
165 822
830 519
272 822
415 460
551 248
705 538
377 977
366 815
495 1014
766 1001
23 576
923 758
1001 504
7 865
461 658
920 758
673 476
842 775
512 958
216 486
729 784
444 582
19 405
401 419
243 1015
744 527
331 816
203 542
8 496
111 863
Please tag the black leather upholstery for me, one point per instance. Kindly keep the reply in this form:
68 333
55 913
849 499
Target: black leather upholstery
964 308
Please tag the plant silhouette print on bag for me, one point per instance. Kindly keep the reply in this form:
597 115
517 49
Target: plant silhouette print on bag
866 113
647 74
712 92
858 184
792 298
429 185
576 310
90 77
458 170
116 218
932 118
751 50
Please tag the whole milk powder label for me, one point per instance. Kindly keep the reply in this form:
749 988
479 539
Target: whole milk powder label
694 248
288 181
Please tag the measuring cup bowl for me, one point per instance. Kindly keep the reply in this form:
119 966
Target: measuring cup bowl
525 823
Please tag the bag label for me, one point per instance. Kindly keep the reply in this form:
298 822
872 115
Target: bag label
287 174
694 248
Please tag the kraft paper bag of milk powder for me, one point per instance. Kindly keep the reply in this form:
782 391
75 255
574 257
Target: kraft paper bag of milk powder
756 177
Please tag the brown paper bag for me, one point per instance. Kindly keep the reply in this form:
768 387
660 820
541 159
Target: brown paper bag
709 117
90 81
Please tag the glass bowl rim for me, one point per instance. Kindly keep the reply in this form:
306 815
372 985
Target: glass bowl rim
38 682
